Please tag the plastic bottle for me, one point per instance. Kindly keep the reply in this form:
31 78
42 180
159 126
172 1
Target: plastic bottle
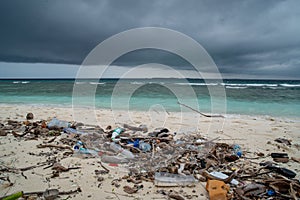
144 146
78 148
115 133
118 149
74 131
58 123
167 179
237 150
114 159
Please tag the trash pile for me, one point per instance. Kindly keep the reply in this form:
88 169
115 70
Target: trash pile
165 158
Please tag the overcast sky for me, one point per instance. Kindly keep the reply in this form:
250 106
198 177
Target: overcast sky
246 39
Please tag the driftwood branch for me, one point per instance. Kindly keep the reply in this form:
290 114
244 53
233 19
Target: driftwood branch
197 111
107 170
54 146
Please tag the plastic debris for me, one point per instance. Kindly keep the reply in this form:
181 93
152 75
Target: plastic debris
237 150
13 196
223 176
161 157
280 170
56 123
168 179
116 133
73 131
144 146
118 149
217 190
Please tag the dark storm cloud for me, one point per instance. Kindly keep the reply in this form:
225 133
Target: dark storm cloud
250 37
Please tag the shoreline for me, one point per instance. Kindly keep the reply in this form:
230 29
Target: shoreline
226 115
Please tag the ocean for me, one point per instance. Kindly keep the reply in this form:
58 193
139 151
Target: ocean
246 97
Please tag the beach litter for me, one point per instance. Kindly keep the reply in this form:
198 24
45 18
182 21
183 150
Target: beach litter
217 190
158 156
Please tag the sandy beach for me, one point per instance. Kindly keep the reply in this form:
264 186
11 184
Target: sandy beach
255 134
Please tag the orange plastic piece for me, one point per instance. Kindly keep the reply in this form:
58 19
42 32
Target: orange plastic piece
217 190
44 125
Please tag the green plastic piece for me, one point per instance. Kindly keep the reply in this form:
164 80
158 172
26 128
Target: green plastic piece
13 196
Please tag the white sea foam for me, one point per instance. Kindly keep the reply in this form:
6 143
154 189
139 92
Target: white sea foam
197 84
249 85
97 83
235 87
79 83
137 83
290 85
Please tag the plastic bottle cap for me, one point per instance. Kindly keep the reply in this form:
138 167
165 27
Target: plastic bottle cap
271 192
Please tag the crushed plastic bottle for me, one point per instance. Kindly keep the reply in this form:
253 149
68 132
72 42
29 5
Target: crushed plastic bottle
144 146
58 123
79 148
114 159
237 150
74 131
118 149
168 179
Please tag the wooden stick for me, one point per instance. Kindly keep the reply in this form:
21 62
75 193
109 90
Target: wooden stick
107 170
201 113
59 193
55 146
125 195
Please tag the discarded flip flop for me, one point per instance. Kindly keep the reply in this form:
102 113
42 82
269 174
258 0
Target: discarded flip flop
280 170
279 155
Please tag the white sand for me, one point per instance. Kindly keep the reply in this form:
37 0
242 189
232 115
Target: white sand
252 133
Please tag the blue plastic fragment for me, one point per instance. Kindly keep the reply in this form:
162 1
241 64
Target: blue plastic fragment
271 192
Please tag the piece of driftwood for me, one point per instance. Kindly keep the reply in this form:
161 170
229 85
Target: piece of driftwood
201 113
18 135
51 140
17 170
115 193
54 146
60 193
107 170
173 195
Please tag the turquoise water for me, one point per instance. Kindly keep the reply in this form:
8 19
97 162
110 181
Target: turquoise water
250 97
